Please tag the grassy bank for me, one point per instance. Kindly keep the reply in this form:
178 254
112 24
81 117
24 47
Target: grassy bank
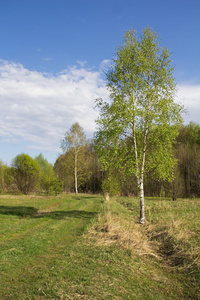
80 247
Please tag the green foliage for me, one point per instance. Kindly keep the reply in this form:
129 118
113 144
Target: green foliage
64 170
89 169
27 173
56 186
49 181
190 134
142 112
74 138
8 180
2 171
111 185
188 154
74 145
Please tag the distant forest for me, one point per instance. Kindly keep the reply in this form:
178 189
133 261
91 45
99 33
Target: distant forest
36 175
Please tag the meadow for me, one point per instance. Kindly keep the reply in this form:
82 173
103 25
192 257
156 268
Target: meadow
83 247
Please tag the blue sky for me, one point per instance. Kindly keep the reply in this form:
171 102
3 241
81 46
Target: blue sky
52 57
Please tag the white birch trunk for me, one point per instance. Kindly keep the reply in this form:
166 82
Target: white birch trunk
139 173
75 173
141 180
142 215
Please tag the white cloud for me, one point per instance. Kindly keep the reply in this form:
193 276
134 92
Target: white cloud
39 107
189 96
36 109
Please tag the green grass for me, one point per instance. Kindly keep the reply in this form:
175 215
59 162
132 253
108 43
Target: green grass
80 247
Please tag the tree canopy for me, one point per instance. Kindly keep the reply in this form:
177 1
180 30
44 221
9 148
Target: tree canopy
27 173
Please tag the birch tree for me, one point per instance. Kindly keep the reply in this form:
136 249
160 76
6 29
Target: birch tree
141 112
74 142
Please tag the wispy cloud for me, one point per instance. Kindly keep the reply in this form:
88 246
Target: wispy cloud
47 59
40 107
105 64
82 63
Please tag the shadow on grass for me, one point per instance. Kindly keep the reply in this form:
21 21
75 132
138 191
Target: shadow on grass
24 212
20 211
85 197
80 214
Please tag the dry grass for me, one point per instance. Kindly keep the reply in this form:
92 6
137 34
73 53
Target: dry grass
173 227
111 228
168 239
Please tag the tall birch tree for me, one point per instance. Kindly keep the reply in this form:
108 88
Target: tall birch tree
74 142
141 112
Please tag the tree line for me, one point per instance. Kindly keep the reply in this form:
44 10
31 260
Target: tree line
27 175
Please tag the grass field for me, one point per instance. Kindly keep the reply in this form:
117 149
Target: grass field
82 247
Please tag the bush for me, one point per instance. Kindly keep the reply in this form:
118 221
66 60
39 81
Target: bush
26 172
111 186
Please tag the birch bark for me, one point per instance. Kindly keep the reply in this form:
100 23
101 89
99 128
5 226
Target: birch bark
141 180
75 172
